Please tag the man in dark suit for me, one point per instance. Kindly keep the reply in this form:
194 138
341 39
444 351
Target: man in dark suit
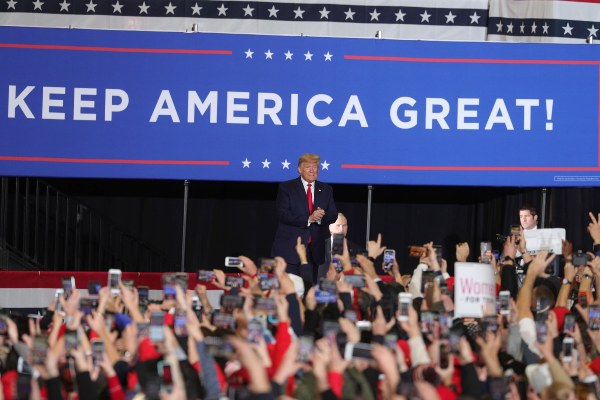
305 208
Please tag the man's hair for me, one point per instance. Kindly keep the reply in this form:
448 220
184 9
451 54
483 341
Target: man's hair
530 208
308 157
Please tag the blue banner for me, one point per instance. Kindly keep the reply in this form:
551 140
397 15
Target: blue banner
79 103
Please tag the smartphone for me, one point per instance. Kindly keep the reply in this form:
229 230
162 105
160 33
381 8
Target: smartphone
143 330
444 353
330 328
143 295
306 347
569 324
356 281
94 288
427 320
23 367
3 327
388 259
594 317
223 320
233 262
266 282
350 315
404 303
68 285
364 325
39 350
439 252
264 304
57 304
114 278
217 347
427 279
86 306
266 264
328 286
234 281
168 282
567 349
337 244
197 306
323 297
515 230
97 351
205 276
580 258
166 377
156 333
357 350
445 324
337 265
391 340
416 251
504 296
582 299
181 279
71 340
179 323
541 331
128 283
454 340
490 323
255 331
231 301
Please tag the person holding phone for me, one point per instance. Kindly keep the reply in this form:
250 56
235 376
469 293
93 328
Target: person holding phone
340 226
305 208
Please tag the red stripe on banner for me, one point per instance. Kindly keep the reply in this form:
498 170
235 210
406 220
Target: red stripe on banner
463 168
111 161
468 60
114 49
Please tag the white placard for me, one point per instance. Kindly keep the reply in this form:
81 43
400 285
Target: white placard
474 289
545 239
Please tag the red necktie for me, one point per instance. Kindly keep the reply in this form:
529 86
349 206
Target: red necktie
310 205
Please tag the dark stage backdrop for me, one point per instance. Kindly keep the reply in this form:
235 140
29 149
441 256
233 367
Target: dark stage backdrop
233 218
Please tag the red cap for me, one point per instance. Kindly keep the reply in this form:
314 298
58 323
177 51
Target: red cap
147 351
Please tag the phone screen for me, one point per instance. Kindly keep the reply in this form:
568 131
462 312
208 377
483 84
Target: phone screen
71 340
594 317
356 281
40 348
505 302
305 348
97 351
337 244
569 325
156 332
388 259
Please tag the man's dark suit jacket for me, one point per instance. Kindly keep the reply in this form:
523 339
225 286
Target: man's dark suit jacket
292 212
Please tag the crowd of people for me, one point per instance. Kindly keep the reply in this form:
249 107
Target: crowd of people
355 334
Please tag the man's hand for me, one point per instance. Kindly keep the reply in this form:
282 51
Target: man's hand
567 250
366 265
540 262
462 252
301 250
594 228
510 247
248 267
374 247
317 215
432 256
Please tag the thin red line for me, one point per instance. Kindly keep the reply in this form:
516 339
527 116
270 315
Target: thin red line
467 60
598 116
111 161
456 168
112 49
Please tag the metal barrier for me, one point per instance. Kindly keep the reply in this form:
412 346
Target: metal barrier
42 228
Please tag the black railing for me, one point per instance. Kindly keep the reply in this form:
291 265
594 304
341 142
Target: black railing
43 228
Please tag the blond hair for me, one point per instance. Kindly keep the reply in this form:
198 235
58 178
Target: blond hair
308 157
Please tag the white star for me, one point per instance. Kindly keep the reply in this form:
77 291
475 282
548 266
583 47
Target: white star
248 11
328 56
374 15
286 164
593 31
266 163
349 14
246 163
170 9
568 29
249 53
325 165
499 26
273 11
288 55
475 18
12 4
144 8
400 15
308 56
64 6
298 13
450 17
545 27
509 28
91 6
324 13
268 55
425 16
37 5
522 27
533 28
117 7
222 10
196 9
